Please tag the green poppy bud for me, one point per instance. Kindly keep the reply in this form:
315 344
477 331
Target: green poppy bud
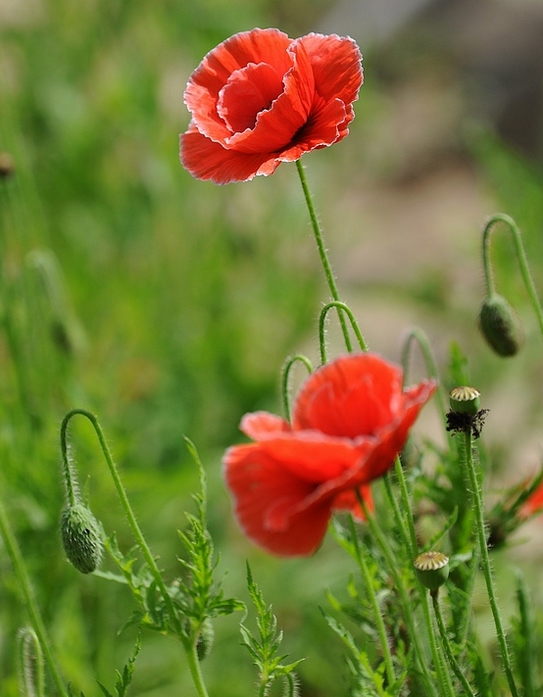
432 569
205 639
500 326
465 400
81 538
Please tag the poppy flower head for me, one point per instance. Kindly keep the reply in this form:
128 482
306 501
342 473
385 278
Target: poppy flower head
351 418
261 98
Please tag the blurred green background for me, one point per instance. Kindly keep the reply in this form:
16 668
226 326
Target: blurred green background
167 305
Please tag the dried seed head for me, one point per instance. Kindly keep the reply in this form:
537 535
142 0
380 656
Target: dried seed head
432 569
465 400
81 538
500 326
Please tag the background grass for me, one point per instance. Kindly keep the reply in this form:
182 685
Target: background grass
167 306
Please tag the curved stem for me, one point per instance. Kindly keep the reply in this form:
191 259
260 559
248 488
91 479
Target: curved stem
25 588
322 250
147 554
477 499
522 260
416 334
447 647
342 307
285 375
368 581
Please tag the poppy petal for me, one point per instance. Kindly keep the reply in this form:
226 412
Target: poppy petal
350 397
205 159
337 65
264 495
261 424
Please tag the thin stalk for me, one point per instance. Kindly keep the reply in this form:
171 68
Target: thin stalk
420 337
447 647
405 602
322 324
194 667
140 539
317 232
522 260
407 529
370 590
285 375
477 500
25 589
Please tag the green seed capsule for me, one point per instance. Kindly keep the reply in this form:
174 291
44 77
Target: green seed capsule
81 538
432 569
465 400
500 326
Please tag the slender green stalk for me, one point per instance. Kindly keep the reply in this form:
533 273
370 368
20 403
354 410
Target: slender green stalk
407 529
25 589
522 260
405 602
322 324
322 251
32 676
418 336
480 531
147 554
368 581
468 692
189 647
285 375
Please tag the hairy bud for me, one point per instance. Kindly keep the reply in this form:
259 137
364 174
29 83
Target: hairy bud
500 326
81 538
205 640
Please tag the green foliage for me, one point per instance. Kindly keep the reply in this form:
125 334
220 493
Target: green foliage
124 679
264 647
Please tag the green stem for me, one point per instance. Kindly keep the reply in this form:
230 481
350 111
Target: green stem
407 529
147 554
418 336
368 581
322 251
285 375
477 500
322 325
522 260
468 692
25 589
405 601
194 667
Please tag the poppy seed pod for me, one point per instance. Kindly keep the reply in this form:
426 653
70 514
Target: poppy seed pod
432 569
81 538
500 326
465 400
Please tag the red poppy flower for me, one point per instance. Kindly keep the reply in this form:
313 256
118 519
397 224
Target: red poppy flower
350 420
261 98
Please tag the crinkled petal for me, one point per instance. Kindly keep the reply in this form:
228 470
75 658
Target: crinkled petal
337 65
353 396
205 159
266 496
202 92
276 126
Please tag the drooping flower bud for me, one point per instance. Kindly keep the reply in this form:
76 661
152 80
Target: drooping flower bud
465 400
81 537
432 569
205 640
500 326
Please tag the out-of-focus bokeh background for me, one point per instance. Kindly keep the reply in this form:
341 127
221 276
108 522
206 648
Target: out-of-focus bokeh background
168 305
